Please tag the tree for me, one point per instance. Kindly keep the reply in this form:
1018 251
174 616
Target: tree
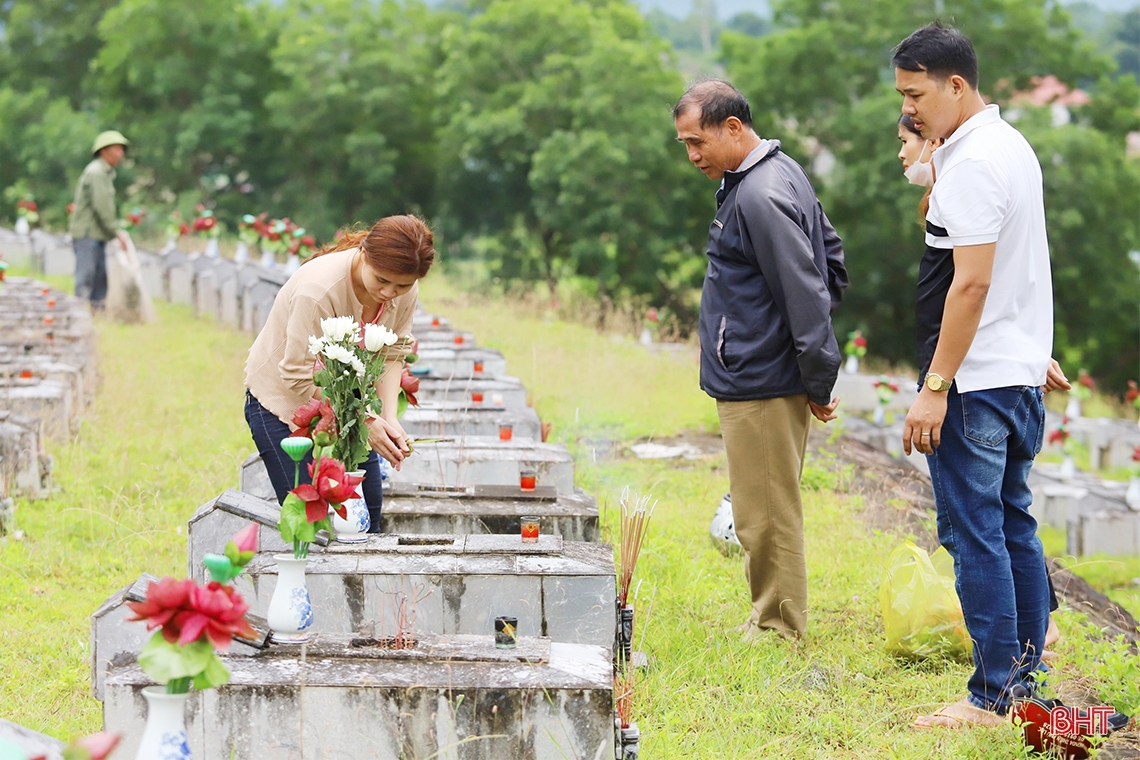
570 166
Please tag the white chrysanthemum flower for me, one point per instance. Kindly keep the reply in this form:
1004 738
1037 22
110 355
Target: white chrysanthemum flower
358 366
337 329
378 336
338 353
316 344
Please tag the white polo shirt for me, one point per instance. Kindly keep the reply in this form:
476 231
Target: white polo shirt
988 190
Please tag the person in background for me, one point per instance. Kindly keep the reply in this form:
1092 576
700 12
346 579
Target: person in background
370 275
768 351
95 220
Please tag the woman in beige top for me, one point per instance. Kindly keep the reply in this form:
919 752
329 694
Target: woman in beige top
368 275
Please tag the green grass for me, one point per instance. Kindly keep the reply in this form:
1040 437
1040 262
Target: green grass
167 433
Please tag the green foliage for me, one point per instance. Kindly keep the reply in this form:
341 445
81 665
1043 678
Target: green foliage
166 662
1111 662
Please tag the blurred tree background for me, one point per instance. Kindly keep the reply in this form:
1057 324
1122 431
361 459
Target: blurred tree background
535 134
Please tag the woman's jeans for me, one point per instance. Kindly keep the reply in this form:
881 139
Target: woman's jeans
268 432
979 472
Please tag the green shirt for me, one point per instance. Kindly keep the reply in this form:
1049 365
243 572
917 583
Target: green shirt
95 215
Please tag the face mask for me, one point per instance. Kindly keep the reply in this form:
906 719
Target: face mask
921 174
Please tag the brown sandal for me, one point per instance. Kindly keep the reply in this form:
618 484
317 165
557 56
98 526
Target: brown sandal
960 714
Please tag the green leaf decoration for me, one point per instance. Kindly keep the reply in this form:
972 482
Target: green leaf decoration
232 553
220 568
401 404
164 661
293 524
215 674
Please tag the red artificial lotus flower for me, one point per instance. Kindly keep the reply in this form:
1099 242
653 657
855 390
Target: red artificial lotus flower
1136 454
294 245
860 341
219 612
184 229
1133 392
410 385
309 240
70 209
312 409
99 745
331 485
1060 435
1085 379
246 540
165 600
652 315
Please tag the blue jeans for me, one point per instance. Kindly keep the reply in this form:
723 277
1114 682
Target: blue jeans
268 432
979 472
91 270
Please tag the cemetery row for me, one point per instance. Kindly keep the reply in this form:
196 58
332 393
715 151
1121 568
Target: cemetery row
401 658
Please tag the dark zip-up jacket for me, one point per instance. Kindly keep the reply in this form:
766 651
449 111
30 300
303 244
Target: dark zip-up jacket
775 273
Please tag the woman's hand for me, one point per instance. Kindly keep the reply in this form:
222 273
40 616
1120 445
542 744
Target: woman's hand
387 438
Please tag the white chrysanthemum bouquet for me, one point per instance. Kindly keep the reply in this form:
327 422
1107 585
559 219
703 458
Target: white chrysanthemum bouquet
351 361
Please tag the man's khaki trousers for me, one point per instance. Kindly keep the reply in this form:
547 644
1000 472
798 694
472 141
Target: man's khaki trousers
766 441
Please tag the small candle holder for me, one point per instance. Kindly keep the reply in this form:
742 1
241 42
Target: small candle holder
45 291
51 303
506 431
476 397
506 632
479 368
26 374
435 321
459 340
48 320
529 529
528 479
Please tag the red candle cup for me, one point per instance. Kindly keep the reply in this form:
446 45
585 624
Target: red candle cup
505 431
26 374
528 479
479 367
51 303
528 529
48 320
459 340
45 291
476 397
435 322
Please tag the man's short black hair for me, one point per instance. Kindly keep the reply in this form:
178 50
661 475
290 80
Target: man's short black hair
717 100
939 50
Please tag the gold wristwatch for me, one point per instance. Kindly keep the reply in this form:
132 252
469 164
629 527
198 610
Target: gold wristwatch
936 382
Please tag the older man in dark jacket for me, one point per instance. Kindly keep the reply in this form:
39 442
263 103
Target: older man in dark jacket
768 352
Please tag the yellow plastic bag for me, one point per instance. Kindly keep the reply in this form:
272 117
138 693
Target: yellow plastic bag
921 611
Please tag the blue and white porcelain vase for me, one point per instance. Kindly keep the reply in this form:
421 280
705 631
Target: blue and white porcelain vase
241 255
164 737
290 610
354 528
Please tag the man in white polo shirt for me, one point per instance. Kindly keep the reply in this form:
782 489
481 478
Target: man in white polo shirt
985 334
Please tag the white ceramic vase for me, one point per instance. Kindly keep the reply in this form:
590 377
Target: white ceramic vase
267 259
292 264
880 416
22 226
241 255
851 366
1073 408
164 737
1132 496
290 610
1068 469
170 247
212 248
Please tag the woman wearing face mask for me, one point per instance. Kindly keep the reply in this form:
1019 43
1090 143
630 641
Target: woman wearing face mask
917 156
370 275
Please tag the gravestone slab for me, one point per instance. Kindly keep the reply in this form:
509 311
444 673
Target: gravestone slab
564 590
22 461
33 743
502 391
476 460
450 361
447 419
281 706
45 400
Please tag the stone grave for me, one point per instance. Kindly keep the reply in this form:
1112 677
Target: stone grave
33 743
408 509
350 697
443 337
561 589
452 361
15 249
24 465
462 418
501 391
1092 511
